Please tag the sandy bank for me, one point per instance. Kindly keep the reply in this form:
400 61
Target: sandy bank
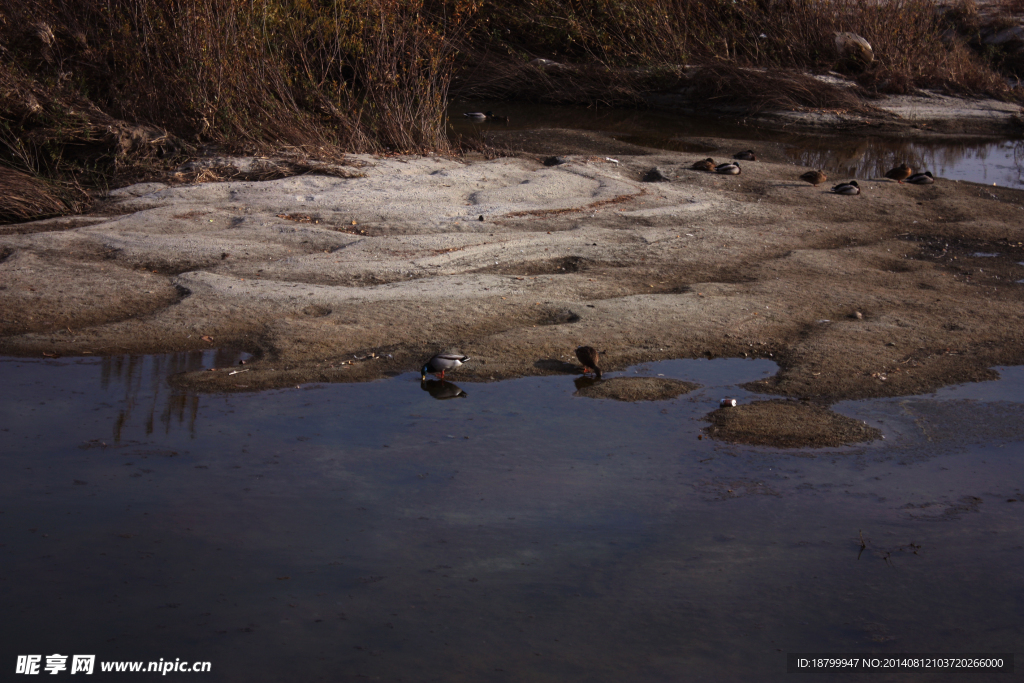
316 273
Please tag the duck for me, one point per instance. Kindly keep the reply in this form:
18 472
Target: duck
745 156
498 119
847 188
728 168
925 178
478 115
588 355
704 165
814 177
441 362
900 173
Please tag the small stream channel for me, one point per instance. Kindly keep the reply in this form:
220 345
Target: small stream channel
517 532
975 159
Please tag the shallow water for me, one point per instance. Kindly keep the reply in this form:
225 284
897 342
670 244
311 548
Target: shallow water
340 532
978 160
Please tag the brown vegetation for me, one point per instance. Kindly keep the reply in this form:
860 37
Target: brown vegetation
94 92
91 88
24 197
911 44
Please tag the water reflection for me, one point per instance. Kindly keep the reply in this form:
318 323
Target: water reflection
1001 163
442 389
583 382
144 395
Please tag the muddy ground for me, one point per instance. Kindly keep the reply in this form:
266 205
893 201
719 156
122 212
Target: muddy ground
900 290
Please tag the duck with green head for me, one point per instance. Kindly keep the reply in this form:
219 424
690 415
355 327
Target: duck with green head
443 361
848 188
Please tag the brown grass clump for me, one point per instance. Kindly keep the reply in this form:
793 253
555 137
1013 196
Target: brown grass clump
365 75
97 88
23 197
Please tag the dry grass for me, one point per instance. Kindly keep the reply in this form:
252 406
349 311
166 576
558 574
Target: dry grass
23 197
101 88
94 92
369 75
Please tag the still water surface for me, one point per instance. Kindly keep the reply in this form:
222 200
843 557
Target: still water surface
517 533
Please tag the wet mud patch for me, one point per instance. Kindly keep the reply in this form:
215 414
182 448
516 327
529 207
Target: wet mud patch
556 266
636 388
994 263
316 311
558 316
60 224
76 295
787 424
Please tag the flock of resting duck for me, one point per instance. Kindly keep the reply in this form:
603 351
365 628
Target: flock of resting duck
901 173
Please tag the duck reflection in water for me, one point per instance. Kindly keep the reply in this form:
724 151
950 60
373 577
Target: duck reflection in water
442 390
584 381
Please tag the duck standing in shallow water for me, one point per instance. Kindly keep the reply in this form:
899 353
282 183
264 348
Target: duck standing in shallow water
814 177
745 156
925 178
847 188
730 168
441 362
588 355
704 165
900 173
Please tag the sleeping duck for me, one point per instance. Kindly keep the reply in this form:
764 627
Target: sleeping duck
847 188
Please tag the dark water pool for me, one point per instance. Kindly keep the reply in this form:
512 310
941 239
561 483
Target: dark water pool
518 533
979 160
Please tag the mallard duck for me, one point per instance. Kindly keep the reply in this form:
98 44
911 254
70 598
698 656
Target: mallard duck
745 156
814 177
588 355
498 119
900 173
441 362
729 168
847 188
704 165
478 115
925 178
